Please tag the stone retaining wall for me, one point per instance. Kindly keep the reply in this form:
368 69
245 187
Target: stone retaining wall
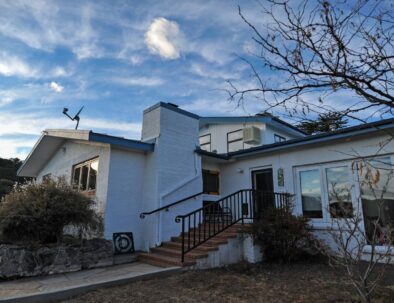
19 261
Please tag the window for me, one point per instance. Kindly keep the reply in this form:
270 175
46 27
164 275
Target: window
278 138
339 192
205 142
235 140
311 193
85 176
377 197
210 182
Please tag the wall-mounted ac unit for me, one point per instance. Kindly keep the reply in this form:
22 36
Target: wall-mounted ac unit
252 135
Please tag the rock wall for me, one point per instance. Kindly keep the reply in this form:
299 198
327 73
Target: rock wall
18 261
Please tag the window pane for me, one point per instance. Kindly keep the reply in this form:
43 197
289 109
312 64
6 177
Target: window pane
206 147
77 172
210 182
93 175
279 138
311 193
84 177
235 135
234 146
205 139
339 192
377 195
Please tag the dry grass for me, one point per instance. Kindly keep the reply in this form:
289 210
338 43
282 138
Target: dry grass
302 282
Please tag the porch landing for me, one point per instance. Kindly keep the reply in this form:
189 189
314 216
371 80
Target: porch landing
63 286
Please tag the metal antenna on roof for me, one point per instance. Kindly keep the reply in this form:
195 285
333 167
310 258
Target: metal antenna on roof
76 117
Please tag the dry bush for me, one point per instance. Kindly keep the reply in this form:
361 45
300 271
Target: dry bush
282 236
39 212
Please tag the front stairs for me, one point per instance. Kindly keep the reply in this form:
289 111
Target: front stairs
170 253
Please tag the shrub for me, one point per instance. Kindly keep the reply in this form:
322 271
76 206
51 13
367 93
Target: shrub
5 187
282 236
39 212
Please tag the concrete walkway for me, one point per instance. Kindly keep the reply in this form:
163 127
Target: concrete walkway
63 286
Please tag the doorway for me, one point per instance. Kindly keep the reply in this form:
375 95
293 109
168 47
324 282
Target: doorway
263 185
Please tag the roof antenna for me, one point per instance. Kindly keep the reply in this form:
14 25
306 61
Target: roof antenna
76 117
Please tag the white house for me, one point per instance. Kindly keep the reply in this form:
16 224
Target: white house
184 161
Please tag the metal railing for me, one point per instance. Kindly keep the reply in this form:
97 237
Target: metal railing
166 207
206 222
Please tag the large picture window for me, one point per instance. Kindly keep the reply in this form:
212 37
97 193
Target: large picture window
235 140
311 193
205 142
377 196
210 182
339 192
84 177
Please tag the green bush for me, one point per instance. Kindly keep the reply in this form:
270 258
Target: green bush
39 212
282 236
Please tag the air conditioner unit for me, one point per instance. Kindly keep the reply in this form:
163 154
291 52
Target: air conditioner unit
252 135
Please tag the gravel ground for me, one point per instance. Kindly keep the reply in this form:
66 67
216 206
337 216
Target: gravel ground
302 282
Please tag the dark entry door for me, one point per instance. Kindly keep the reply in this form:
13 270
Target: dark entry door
263 184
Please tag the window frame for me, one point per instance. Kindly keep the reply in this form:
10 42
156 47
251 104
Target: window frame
80 165
232 141
359 192
327 218
209 143
212 172
278 138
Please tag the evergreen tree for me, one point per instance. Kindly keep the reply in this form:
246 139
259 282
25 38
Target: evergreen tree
324 123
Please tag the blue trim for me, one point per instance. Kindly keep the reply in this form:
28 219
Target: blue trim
121 142
211 154
344 133
173 108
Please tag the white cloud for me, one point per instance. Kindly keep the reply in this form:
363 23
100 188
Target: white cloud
139 81
56 87
164 38
13 66
51 25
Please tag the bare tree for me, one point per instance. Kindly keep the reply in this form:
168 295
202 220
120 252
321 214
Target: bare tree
362 246
322 47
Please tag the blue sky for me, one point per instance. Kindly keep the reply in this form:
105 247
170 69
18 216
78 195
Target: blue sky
117 58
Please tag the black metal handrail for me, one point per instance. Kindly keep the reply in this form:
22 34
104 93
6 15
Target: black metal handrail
166 207
206 222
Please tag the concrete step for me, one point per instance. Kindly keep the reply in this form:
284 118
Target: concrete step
164 261
216 240
201 248
177 253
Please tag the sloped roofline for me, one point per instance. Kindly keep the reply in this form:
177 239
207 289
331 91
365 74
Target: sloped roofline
60 135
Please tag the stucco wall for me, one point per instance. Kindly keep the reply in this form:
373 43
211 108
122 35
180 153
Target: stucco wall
125 192
74 152
219 132
238 174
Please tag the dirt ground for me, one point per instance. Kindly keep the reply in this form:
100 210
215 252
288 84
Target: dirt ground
301 282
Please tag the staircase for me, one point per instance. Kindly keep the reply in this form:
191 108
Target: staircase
204 229
170 253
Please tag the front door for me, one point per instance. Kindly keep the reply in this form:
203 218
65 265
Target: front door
263 184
